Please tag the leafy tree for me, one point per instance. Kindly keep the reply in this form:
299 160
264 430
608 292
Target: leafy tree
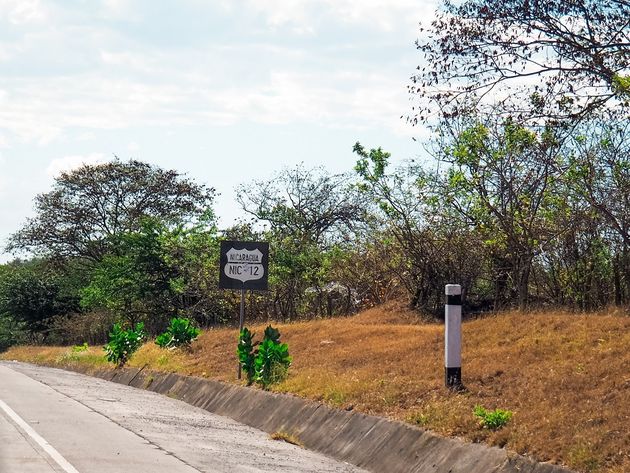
578 53
503 181
433 245
31 294
12 332
90 207
136 283
159 273
532 97
194 252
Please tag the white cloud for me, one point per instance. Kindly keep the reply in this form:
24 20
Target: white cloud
100 75
7 52
85 136
129 61
112 82
67 163
19 12
304 15
117 9
3 179
347 99
386 15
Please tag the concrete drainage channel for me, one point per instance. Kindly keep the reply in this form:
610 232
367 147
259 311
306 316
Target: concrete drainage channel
370 442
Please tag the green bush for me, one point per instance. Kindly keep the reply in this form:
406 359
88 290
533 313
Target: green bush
246 354
272 362
80 348
124 343
492 420
12 332
180 332
272 334
269 363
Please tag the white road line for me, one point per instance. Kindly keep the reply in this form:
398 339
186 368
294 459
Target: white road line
49 449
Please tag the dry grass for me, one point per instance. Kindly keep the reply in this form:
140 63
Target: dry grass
565 377
286 437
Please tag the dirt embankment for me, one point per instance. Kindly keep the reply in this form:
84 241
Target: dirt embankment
565 377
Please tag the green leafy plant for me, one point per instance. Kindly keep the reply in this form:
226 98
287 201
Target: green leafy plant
180 332
272 362
80 348
123 343
272 334
246 354
267 364
492 420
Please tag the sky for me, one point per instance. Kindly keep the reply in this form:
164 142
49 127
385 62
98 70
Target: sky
225 91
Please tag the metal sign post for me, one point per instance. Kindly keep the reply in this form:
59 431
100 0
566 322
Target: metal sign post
240 326
244 265
242 317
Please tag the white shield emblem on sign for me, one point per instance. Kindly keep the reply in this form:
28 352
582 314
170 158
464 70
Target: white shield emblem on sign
244 265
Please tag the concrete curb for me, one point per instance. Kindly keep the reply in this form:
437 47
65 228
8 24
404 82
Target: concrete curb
373 443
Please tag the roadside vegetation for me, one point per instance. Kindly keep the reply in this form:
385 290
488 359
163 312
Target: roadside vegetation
562 377
522 197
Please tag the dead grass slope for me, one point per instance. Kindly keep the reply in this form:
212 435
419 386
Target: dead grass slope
565 377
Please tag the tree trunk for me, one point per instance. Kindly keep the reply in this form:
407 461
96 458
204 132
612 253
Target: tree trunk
523 283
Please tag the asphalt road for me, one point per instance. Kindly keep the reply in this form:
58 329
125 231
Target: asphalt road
58 421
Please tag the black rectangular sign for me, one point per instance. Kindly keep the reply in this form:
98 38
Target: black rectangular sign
244 265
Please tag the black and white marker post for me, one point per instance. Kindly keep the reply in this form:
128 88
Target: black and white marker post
453 337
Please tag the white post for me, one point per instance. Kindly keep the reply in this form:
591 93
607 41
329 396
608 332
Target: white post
453 336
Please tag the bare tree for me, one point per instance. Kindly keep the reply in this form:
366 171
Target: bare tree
551 59
311 213
309 204
600 174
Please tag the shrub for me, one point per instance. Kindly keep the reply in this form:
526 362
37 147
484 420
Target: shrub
71 329
12 332
272 334
272 362
492 420
246 354
123 343
269 363
80 348
179 332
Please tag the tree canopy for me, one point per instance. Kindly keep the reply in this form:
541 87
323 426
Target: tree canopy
309 204
551 59
93 205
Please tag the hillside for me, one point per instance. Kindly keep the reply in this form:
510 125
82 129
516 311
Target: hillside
565 377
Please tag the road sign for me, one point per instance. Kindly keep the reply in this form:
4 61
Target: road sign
244 265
